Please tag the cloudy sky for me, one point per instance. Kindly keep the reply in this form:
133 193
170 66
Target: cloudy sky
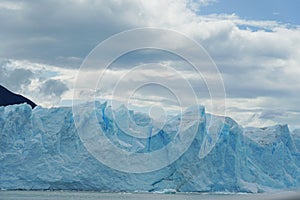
255 45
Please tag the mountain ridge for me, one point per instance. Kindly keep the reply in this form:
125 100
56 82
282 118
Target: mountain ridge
9 98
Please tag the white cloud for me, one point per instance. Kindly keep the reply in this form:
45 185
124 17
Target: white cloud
9 5
44 84
259 60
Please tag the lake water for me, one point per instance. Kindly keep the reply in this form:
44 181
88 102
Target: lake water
68 195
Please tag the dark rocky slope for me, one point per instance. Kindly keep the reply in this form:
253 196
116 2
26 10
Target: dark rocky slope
9 98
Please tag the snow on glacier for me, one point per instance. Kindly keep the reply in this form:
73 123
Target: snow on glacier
41 149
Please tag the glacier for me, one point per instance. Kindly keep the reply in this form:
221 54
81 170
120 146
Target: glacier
40 148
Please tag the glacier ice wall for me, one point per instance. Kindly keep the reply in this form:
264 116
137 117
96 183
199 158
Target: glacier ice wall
41 149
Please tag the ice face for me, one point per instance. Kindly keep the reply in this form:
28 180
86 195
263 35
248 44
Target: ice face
296 138
41 149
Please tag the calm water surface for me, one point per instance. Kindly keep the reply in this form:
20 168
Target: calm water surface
68 195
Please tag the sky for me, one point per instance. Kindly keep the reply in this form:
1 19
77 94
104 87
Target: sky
255 45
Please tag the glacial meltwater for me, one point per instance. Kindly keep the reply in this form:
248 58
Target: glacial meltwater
76 195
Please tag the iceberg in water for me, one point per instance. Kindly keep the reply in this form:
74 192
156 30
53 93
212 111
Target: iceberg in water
43 149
